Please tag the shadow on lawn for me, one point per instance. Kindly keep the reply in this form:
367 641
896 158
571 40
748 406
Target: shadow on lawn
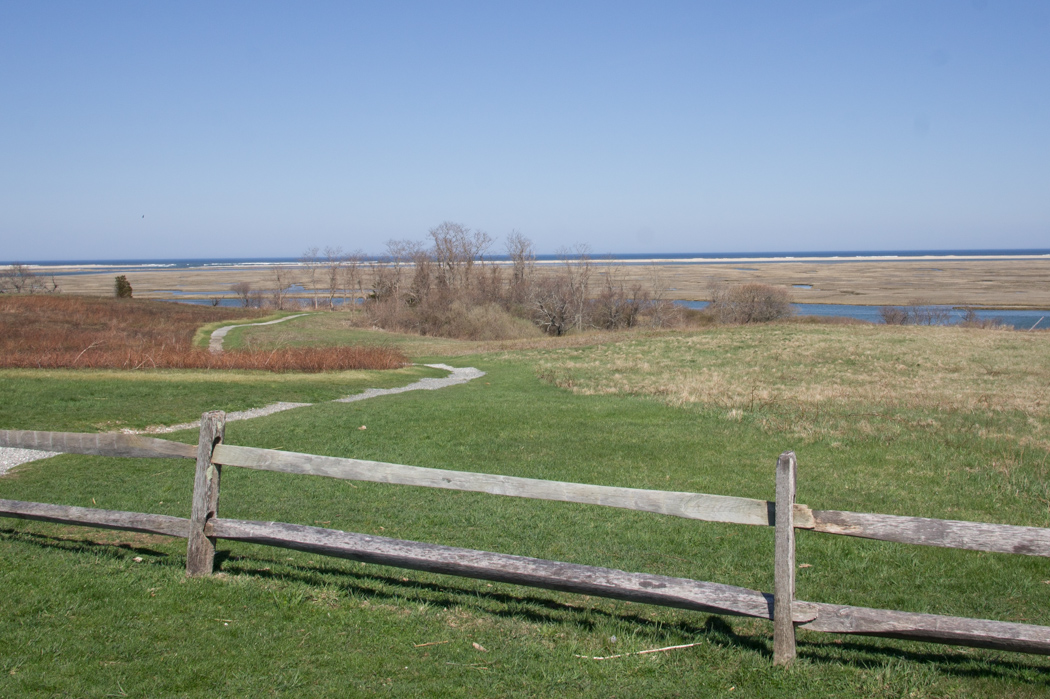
866 654
863 653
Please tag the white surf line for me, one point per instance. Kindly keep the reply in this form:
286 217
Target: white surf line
10 457
217 336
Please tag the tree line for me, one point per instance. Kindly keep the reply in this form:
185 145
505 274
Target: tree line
21 279
450 285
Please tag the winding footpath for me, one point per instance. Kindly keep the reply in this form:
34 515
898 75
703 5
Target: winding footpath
219 334
10 457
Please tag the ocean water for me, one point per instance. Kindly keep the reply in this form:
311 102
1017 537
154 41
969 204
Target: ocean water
827 256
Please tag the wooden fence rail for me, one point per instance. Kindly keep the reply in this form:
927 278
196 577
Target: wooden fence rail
205 526
974 536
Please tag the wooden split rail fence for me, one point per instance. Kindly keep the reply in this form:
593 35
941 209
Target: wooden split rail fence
204 527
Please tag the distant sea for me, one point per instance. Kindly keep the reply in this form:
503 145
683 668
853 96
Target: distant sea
824 256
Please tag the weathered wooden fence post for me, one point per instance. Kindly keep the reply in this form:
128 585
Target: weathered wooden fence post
784 562
200 551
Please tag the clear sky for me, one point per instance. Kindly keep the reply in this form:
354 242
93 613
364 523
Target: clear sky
254 129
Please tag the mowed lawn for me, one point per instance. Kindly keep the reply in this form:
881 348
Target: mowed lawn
705 412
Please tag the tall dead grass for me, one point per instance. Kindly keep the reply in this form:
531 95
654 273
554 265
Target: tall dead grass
846 369
52 332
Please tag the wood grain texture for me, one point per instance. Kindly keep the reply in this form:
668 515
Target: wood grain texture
99 519
200 549
636 587
974 536
712 508
105 444
498 567
933 628
784 562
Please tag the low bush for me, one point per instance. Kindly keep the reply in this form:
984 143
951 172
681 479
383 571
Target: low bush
750 303
893 315
696 317
122 287
972 320
923 313
916 313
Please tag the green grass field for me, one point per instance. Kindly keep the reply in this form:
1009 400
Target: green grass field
705 412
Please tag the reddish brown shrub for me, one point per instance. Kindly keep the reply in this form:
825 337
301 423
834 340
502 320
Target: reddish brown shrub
78 332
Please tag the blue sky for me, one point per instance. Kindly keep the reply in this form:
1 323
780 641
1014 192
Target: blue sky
252 129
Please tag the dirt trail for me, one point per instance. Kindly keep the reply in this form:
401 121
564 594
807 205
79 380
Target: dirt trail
10 457
219 335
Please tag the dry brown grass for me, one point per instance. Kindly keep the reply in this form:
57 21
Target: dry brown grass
844 371
58 331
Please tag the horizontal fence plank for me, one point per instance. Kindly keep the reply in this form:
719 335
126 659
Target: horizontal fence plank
932 628
568 577
99 519
105 444
498 567
711 508
637 587
974 536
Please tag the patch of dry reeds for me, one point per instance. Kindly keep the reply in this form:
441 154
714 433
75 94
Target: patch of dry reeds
51 332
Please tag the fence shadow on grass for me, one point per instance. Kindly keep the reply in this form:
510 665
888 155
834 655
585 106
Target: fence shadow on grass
868 655
873 653
112 549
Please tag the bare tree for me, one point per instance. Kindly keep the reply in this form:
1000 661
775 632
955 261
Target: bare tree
281 279
552 304
399 254
661 311
243 291
333 263
311 262
523 262
422 276
893 315
922 312
352 278
617 306
20 279
456 250
578 269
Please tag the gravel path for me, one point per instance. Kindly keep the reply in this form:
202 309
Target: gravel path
10 457
215 343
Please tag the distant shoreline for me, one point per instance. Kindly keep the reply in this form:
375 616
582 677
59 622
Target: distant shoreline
983 279
67 267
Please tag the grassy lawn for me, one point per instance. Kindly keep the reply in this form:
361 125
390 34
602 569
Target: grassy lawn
98 400
328 329
706 412
202 336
